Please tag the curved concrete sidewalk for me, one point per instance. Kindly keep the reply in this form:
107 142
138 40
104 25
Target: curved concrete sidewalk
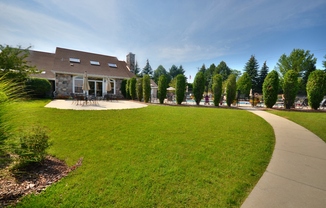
296 174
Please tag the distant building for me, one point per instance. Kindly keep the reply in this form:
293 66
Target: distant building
65 69
131 62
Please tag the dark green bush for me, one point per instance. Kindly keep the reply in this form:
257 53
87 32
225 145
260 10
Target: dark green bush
270 89
199 86
290 88
139 89
33 145
162 85
217 88
128 89
132 88
123 88
146 88
316 88
231 88
38 88
180 88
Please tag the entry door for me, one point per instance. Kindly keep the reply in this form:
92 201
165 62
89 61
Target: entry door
96 86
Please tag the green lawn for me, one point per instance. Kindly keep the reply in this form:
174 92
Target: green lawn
158 156
314 121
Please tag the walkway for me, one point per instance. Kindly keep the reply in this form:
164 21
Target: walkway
101 105
296 174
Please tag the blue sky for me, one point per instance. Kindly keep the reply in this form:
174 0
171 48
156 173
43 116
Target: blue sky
184 32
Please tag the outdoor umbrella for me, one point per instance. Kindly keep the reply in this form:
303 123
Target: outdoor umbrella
108 87
85 82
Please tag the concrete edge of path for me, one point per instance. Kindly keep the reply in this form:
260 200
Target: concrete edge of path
296 174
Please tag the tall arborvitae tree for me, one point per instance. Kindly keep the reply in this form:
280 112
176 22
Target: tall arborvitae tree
146 88
180 88
139 89
217 89
199 86
223 70
251 68
270 89
147 69
132 88
209 77
290 88
162 85
262 75
231 88
316 86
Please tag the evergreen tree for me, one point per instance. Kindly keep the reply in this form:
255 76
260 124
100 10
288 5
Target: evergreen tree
217 89
139 89
146 88
175 71
162 85
290 88
251 68
180 88
132 88
262 75
223 70
209 77
147 69
231 88
199 86
316 86
270 89
136 70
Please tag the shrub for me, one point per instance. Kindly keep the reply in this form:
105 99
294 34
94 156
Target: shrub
162 85
180 88
132 88
316 88
199 86
217 88
290 88
33 145
123 88
146 88
127 89
38 88
139 89
244 84
270 89
231 88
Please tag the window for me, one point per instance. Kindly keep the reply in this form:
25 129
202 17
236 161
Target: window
74 60
95 63
112 65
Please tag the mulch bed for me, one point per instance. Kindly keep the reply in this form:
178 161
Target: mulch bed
33 179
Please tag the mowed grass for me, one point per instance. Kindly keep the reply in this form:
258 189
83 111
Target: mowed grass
313 121
158 156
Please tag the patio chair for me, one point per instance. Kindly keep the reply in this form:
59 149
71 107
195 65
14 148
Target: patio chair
74 98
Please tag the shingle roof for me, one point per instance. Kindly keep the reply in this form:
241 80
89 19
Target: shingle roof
43 62
59 62
62 64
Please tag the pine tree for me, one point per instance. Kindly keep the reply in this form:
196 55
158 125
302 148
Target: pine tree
147 69
252 69
262 75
